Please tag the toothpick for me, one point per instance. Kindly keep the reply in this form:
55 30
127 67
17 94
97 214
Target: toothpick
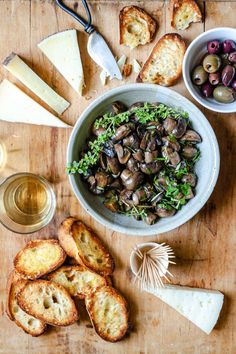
153 267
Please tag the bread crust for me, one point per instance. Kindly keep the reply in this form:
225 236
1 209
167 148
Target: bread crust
67 235
27 296
14 285
24 270
79 271
90 302
125 19
161 46
12 278
66 239
177 8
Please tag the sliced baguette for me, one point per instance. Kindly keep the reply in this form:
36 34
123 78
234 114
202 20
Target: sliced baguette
164 65
78 280
28 323
38 258
184 13
81 243
49 302
108 312
136 27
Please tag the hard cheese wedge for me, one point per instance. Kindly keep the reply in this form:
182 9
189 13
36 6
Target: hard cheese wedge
200 306
22 72
62 50
16 106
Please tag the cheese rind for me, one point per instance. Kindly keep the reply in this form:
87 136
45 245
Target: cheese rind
62 49
16 106
200 306
27 76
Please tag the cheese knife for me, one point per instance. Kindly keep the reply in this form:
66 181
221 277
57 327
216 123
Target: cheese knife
97 46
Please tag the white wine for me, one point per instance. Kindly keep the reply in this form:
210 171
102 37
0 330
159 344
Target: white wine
27 200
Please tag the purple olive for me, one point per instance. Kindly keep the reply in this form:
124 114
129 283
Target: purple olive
228 46
232 57
213 47
227 75
233 85
207 89
214 78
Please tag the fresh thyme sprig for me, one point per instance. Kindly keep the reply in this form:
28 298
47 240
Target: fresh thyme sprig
91 157
150 113
196 157
109 120
137 212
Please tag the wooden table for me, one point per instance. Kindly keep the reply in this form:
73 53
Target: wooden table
205 246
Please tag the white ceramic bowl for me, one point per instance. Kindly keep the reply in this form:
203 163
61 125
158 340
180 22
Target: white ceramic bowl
192 58
207 168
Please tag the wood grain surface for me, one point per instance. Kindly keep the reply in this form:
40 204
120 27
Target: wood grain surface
205 246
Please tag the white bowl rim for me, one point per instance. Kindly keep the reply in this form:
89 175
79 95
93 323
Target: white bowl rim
204 102
147 231
140 246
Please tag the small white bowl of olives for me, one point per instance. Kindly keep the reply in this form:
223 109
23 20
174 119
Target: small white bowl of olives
209 69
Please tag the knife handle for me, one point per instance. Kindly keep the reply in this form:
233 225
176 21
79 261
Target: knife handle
88 27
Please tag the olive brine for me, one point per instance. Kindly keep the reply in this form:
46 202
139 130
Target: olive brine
216 74
141 159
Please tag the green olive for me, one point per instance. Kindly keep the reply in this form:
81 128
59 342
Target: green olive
211 63
199 75
224 94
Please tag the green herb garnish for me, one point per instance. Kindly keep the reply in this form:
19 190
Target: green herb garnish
196 157
137 212
153 113
172 138
181 170
175 194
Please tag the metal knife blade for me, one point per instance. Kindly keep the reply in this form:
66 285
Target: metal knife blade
102 55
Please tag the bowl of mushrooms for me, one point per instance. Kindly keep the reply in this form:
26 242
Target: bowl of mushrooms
142 159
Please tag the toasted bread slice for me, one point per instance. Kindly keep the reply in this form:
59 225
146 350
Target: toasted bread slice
164 65
78 280
184 13
13 277
38 258
49 302
81 243
108 312
136 27
28 323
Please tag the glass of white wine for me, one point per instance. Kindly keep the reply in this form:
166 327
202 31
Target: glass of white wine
27 203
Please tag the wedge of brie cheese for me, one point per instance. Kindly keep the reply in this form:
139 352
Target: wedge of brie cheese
27 76
62 50
201 307
16 106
